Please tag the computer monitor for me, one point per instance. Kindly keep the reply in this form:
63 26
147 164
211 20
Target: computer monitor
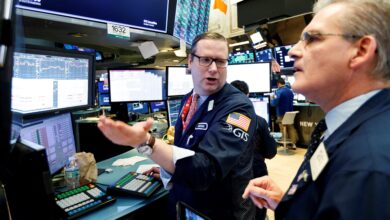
173 111
264 55
191 19
241 57
103 87
282 57
138 107
158 106
146 15
104 99
261 106
179 82
133 85
256 75
51 81
55 133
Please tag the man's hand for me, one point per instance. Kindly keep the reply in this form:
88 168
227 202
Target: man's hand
155 171
264 192
123 134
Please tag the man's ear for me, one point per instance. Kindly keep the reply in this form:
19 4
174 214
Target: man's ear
365 51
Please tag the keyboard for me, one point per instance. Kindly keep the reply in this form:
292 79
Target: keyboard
135 184
81 200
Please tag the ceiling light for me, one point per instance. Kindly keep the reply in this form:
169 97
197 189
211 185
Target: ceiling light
239 43
77 35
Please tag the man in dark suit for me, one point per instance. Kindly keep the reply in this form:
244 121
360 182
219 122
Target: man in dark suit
341 63
264 145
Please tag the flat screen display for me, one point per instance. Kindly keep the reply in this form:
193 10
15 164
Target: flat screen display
45 81
173 111
179 82
138 107
256 75
241 57
133 85
261 106
148 15
282 57
158 106
104 99
55 133
191 19
265 55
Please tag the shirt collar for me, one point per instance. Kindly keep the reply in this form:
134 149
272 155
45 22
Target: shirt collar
339 114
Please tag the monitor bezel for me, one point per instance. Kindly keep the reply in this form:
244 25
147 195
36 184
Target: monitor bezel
62 53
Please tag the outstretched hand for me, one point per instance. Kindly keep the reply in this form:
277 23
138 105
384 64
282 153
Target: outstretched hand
123 134
263 192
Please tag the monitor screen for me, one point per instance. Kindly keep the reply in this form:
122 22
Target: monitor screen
179 82
191 19
98 54
265 55
241 57
148 15
103 87
46 81
282 57
138 107
256 75
55 133
173 110
261 107
133 85
104 99
157 106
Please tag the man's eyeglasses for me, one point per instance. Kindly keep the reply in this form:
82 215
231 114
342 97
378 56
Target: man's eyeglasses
207 61
309 37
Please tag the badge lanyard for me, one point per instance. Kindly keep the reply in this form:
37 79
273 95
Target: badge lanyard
185 111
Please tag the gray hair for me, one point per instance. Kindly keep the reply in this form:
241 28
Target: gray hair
209 36
367 17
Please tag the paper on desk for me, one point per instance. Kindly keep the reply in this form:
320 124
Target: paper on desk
128 161
144 167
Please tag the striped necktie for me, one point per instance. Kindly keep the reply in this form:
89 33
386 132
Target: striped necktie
192 111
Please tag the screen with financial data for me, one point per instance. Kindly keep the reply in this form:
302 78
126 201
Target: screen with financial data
179 82
55 133
173 111
133 85
264 55
256 75
45 81
282 57
191 19
241 57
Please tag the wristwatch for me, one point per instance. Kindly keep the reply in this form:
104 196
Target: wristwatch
147 148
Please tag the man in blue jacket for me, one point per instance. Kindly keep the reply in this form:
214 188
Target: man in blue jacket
283 101
341 63
210 162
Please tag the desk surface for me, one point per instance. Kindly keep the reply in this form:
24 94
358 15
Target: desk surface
124 204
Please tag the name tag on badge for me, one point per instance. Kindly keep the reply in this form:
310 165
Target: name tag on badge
318 161
210 106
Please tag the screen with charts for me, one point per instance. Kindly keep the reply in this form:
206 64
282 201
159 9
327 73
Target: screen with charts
55 133
132 85
45 81
264 55
241 57
261 106
256 75
148 15
179 82
282 57
173 111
